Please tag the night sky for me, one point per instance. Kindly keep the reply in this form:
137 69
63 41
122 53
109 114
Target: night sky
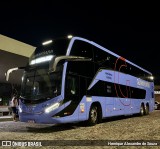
130 30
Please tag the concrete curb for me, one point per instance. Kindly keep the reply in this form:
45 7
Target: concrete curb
6 118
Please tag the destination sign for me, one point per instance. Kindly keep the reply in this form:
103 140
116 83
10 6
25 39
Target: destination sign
42 53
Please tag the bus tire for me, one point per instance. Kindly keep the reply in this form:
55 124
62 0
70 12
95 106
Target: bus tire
142 110
99 114
147 110
93 116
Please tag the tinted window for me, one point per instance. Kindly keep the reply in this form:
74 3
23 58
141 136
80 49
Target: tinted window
81 68
121 65
134 71
81 48
114 90
57 47
72 87
103 59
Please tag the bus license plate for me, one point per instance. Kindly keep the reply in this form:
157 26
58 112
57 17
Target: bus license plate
31 121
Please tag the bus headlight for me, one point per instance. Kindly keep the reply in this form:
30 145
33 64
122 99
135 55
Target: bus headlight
20 109
52 107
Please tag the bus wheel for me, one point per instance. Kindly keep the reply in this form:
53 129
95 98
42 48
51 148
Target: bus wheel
93 116
142 110
147 110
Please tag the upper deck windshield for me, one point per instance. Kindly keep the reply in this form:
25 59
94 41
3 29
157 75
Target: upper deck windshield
57 47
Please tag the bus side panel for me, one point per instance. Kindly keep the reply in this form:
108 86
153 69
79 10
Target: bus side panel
82 110
109 111
136 104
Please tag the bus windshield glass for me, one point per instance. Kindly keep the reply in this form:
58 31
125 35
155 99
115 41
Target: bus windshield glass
57 47
37 83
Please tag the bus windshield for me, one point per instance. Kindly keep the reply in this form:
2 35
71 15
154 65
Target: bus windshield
37 83
57 48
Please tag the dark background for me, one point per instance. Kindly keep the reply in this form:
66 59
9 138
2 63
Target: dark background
130 29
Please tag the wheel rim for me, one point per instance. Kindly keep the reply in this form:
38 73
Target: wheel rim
94 115
142 110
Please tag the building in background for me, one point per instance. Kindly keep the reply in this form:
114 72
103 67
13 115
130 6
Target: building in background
13 53
157 93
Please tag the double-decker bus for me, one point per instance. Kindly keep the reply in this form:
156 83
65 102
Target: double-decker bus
74 79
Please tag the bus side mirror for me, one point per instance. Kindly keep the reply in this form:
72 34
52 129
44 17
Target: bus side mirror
7 74
10 71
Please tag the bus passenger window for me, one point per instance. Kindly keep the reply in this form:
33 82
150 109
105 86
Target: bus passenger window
71 89
109 89
81 48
